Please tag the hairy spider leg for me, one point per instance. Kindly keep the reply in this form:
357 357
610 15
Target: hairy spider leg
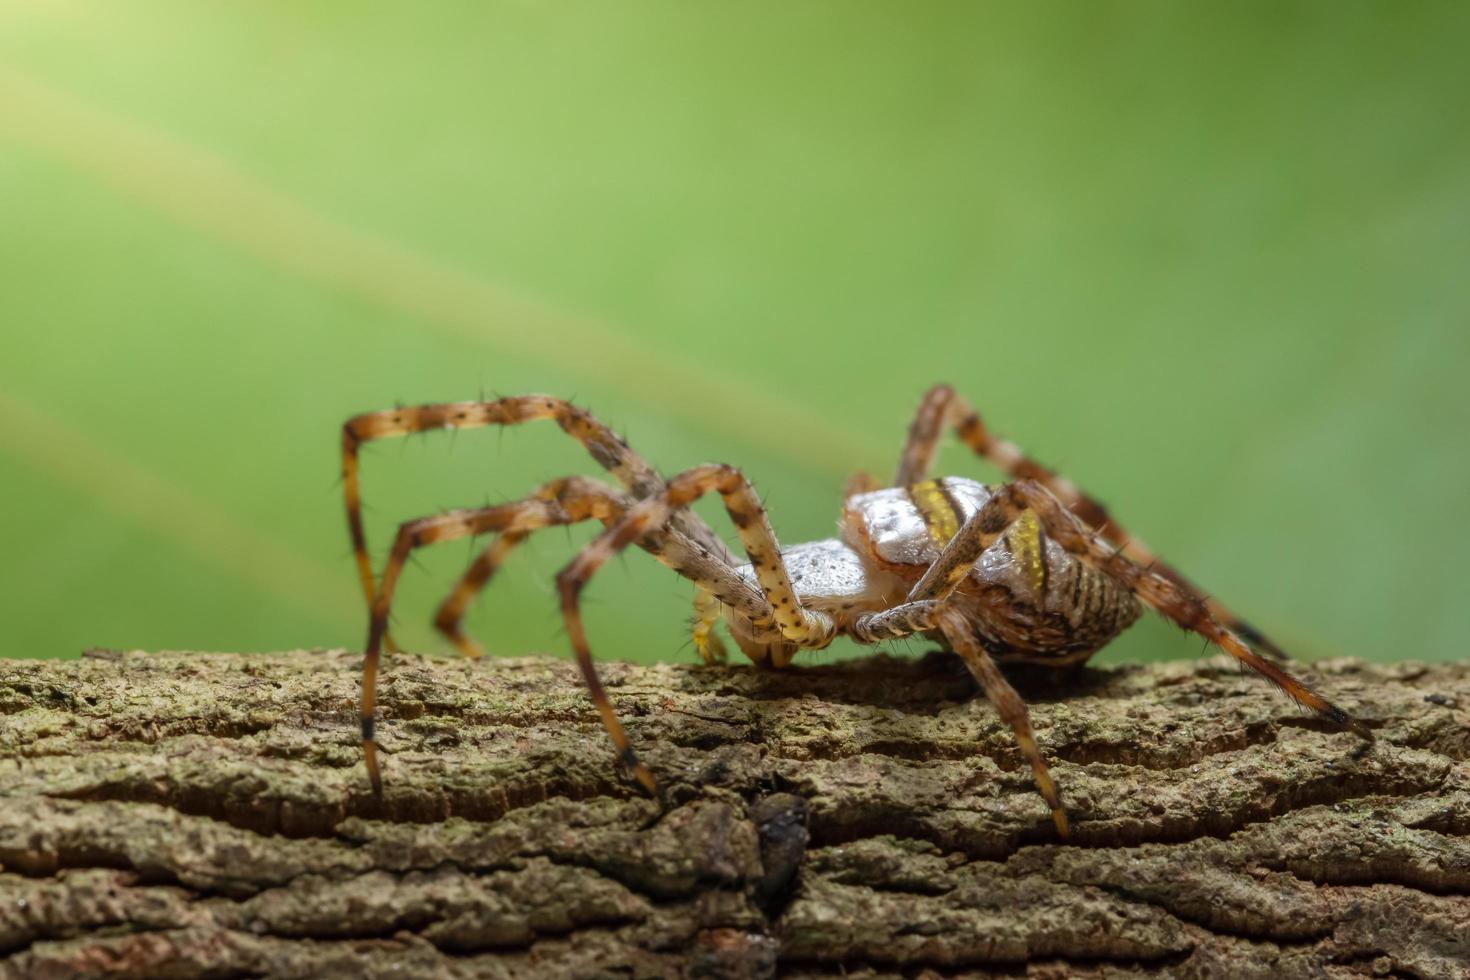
586 499
560 502
796 625
1169 598
943 407
516 518
580 499
925 609
923 615
1007 703
605 447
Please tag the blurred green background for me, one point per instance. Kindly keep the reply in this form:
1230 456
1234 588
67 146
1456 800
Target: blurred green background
1208 260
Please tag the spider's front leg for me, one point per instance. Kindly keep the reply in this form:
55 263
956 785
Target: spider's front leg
585 499
610 452
517 518
589 499
560 502
796 624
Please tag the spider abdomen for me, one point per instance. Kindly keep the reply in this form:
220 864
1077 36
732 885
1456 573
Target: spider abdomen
1026 595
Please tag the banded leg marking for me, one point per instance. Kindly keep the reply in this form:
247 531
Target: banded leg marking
1007 704
450 615
1170 599
576 498
605 447
904 619
942 407
923 615
586 499
519 517
796 624
560 502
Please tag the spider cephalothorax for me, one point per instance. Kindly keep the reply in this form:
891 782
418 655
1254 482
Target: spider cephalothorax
1032 570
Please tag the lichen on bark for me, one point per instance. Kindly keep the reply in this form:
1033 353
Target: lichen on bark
207 814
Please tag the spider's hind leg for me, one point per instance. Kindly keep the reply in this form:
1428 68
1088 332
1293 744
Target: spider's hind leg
1166 596
942 407
926 607
1007 703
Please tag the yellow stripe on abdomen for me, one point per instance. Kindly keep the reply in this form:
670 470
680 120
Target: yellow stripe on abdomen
937 510
1028 548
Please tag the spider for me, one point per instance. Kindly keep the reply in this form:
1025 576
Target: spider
1032 570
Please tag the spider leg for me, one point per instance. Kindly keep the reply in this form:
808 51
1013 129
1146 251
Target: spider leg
942 407
561 502
924 609
1171 599
924 615
582 498
1007 704
451 612
516 518
578 499
905 619
610 452
797 625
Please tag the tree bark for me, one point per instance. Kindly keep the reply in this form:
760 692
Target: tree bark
208 814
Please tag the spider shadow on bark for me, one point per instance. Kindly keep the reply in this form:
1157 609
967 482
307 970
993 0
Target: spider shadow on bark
922 684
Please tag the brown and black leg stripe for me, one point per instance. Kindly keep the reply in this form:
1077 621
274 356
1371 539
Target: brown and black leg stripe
515 518
943 407
560 502
924 610
926 614
925 431
904 619
797 625
1169 598
1007 703
580 499
576 499
449 618
602 444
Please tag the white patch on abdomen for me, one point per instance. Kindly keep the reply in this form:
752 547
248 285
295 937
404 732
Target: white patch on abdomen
895 527
830 576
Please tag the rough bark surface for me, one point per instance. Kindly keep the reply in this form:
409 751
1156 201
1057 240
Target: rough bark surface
207 814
